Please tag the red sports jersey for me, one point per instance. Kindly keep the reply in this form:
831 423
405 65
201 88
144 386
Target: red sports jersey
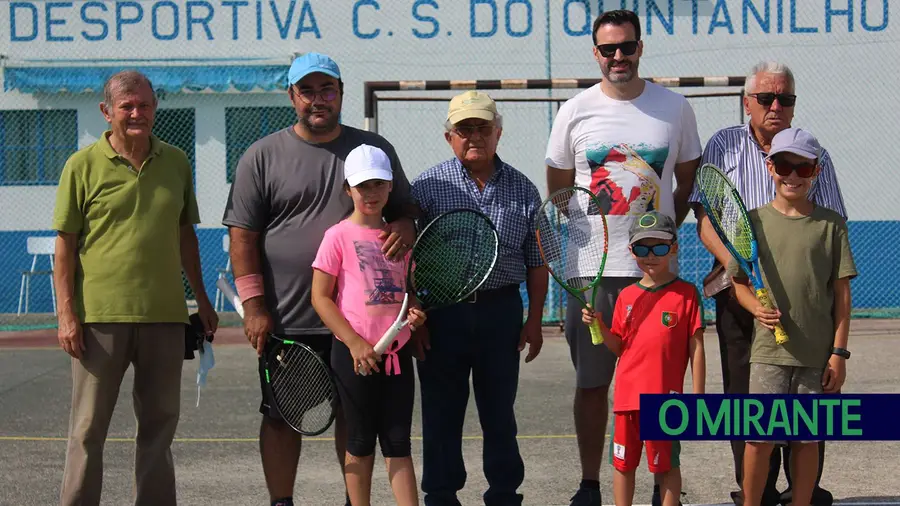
656 325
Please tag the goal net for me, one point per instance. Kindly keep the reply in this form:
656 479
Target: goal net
411 115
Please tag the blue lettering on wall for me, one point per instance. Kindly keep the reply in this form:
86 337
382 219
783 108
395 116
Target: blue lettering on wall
865 17
50 20
763 22
695 16
302 26
121 20
586 27
192 20
364 3
435 25
14 34
235 5
668 24
473 31
830 12
259 20
528 15
794 27
94 21
283 27
154 15
721 9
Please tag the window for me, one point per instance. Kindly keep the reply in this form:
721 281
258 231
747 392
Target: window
246 125
35 144
176 127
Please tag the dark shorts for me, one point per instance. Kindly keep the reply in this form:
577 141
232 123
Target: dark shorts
321 344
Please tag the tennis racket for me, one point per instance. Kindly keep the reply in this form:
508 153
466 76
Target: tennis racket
298 381
450 260
573 239
729 218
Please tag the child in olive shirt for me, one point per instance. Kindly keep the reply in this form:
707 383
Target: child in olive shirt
806 263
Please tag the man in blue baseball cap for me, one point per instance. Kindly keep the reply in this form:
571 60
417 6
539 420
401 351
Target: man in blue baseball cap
288 190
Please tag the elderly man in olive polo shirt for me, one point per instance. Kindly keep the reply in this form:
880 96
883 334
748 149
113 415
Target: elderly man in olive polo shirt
125 211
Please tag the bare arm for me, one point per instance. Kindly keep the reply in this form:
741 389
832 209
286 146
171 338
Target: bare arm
842 308
536 284
558 179
245 259
69 332
698 362
685 174
709 238
322 292
190 262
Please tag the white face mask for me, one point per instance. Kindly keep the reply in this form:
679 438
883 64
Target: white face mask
207 362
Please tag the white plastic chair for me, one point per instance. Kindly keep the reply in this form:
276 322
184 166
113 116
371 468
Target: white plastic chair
37 247
220 297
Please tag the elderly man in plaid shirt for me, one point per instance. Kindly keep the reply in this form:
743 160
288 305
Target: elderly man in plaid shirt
483 335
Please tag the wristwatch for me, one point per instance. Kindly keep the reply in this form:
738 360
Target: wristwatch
840 352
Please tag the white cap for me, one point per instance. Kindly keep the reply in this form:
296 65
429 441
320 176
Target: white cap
367 162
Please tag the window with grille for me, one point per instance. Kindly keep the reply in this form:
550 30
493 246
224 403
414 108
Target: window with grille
35 144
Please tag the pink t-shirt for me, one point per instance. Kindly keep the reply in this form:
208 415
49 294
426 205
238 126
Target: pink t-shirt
370 287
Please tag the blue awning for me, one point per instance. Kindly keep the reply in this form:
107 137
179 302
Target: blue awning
172 79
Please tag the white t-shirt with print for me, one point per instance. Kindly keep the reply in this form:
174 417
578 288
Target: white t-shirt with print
604 139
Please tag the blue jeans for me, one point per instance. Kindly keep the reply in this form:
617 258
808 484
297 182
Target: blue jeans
480 338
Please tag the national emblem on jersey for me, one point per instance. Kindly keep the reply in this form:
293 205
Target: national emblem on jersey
627 310
669 319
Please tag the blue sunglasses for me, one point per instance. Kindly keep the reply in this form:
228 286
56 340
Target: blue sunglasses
659 250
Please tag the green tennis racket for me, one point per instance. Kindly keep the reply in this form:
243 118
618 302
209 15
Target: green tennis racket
729 218
573 238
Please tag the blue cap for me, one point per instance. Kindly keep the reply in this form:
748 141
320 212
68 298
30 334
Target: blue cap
797 141
309 63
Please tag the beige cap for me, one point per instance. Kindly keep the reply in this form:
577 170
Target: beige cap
471 104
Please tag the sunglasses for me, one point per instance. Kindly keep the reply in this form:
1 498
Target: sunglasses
309 96
468 131
609 50
659 250
766 99
784 168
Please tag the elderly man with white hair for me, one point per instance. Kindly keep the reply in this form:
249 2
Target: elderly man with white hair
740 151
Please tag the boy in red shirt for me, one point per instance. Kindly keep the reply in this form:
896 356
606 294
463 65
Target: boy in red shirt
657 326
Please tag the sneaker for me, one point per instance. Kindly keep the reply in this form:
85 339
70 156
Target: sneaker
656 500
587 497
820 497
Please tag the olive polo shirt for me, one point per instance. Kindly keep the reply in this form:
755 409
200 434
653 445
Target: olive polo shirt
128 224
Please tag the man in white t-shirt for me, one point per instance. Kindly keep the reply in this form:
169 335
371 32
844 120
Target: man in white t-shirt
624 139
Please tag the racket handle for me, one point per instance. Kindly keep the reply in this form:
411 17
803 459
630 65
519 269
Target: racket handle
596 335
385 342
762 294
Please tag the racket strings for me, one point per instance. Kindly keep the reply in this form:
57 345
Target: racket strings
302 388
572 236
726 210
453 257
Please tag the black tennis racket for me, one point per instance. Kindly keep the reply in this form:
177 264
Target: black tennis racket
298 381
451 259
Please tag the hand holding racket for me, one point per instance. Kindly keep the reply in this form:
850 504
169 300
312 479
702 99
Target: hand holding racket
451 259
729 218
573 239
298 381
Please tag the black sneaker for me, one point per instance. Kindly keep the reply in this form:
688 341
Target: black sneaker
820 497
656 500
587 497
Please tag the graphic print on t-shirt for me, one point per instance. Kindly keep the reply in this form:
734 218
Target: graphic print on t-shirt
384 279
627 179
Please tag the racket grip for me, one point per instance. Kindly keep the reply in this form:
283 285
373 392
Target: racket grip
781 336
385 342
596 335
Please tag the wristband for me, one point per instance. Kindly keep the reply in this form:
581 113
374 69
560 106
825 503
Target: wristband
249 286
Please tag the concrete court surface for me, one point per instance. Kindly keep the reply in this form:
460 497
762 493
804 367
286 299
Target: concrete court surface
216 453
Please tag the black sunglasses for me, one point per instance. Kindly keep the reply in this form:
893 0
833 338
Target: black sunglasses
659 250
609 50
784 168
766 99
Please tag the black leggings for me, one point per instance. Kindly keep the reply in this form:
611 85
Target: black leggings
375 405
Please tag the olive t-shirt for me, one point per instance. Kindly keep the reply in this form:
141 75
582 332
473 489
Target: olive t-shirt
291 192
800 258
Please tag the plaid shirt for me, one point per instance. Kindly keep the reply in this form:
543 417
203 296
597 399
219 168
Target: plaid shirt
509 199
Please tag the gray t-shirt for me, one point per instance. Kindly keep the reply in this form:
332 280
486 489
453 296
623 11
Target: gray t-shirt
291 191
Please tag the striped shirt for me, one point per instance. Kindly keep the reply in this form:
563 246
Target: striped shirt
509 199
736 152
